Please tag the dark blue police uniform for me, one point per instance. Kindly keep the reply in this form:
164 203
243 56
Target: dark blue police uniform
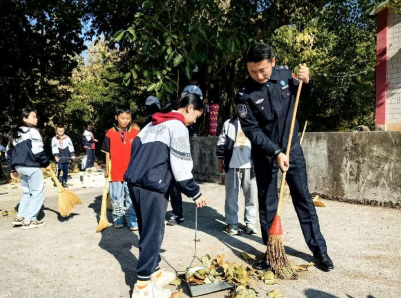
265 112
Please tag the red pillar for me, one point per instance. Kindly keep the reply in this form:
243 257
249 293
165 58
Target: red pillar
381 67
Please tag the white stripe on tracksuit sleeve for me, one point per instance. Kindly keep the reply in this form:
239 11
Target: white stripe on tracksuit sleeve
181 162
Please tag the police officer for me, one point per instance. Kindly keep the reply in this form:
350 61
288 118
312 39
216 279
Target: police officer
265 106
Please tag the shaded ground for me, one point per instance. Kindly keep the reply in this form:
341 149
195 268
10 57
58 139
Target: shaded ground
66 258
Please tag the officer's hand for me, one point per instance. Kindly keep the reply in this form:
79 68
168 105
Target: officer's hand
201 202
14 175
72 157
303 73
283 162
221 166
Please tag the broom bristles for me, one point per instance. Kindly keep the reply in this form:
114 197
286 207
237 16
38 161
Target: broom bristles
277 258
67 201
103 222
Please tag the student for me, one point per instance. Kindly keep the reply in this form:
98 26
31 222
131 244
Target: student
117 146
234 157
25 158
193 88
89 141
63 152
2 156
160 152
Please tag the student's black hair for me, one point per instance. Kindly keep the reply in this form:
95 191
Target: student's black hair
13 133
122 110
258 52
192 99
89 123
60 126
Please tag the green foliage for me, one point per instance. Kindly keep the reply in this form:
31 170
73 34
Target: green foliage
37 42
160 43
97 90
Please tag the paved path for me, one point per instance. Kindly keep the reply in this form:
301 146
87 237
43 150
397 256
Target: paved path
66 258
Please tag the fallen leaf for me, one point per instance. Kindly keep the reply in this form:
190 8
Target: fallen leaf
245 256
176 294
300 268
269 278
5 213
275 294
176 282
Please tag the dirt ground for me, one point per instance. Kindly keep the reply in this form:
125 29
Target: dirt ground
66 258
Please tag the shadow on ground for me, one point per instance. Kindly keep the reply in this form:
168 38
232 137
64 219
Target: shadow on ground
119 243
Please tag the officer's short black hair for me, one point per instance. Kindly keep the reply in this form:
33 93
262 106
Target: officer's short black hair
122 110
258 52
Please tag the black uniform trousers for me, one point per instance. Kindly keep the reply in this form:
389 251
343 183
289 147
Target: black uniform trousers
150 208
266 176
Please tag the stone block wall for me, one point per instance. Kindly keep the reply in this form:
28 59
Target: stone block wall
393 102
360 167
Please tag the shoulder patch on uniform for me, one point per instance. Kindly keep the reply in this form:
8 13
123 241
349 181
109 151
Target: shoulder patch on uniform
242 110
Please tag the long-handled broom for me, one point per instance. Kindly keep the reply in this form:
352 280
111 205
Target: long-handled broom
275 253
316 199
103 222
66 199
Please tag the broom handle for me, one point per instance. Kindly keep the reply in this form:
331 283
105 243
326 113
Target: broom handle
103 209
59 186
294 115
303 132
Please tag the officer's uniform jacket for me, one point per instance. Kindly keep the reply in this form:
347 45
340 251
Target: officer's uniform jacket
265 111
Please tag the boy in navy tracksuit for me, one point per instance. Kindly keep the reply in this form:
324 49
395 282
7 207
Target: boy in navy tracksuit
159 152
63 152
88 140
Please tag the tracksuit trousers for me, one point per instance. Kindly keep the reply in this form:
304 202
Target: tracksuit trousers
150 208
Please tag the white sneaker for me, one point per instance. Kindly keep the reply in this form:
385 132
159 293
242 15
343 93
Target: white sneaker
250 229
164 279
26 225
150 291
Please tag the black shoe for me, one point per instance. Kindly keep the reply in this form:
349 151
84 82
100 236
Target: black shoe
326 264
64 184
175 220
262 265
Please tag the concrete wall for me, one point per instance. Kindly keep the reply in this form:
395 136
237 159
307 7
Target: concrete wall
360 167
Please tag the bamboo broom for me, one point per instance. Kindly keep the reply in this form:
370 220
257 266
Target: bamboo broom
286 187
275 253
103 222
316 199
66 199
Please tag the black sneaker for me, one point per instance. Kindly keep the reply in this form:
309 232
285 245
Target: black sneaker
175 220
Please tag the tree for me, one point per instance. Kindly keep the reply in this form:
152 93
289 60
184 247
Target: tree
96 91
335 38
38 40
